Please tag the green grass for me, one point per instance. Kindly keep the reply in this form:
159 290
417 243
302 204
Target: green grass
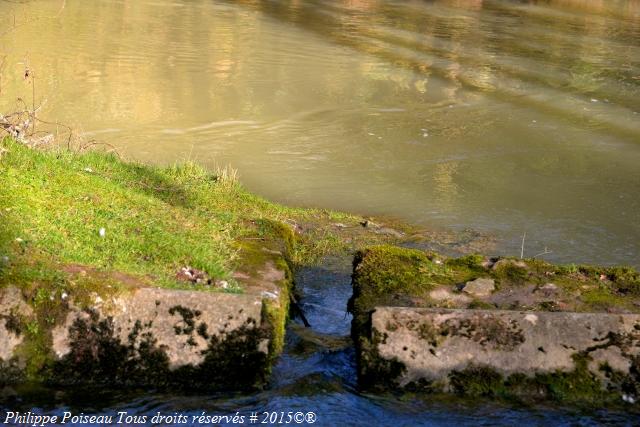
156 220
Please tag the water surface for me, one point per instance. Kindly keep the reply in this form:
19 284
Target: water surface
500 116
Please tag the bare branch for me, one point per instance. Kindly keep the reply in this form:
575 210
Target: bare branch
545 252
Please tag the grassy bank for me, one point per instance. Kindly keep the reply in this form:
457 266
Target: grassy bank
63 208
80 226
75 222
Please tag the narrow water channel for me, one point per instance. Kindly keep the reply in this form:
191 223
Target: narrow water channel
317 372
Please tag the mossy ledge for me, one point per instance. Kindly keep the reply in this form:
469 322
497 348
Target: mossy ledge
531 331
115 271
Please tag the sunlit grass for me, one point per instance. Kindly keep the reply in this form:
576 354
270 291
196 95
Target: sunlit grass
154 220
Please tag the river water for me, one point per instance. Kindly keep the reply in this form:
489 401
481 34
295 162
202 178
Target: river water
499 116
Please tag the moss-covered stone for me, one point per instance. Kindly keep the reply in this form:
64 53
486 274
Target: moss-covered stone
390 275
387 275
99 356
584 358
392 353
375 372
63 346
579 385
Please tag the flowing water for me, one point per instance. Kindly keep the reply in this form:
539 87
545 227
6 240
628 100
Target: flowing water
500 116
317 373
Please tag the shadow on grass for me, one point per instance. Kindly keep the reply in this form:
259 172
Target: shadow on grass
152 183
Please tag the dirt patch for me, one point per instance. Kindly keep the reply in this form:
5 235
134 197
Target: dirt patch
124 278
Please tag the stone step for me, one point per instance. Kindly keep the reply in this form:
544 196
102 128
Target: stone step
449 350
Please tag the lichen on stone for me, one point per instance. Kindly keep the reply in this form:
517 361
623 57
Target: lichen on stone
231 360
386 277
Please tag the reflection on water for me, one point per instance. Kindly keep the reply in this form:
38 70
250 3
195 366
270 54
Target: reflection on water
503 116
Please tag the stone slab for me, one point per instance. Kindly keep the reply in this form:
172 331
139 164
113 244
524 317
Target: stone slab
147 336
182 322
428 345
12 306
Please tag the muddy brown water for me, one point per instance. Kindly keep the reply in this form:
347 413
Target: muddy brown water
501 116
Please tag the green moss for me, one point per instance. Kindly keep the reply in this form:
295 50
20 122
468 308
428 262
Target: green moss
601 299
477 304
270 244
275 316
389 275
621 280
509 273
626 280
270 230
376 372
387 269
466 268
477 381
578 386
156 220
472 262
601 288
